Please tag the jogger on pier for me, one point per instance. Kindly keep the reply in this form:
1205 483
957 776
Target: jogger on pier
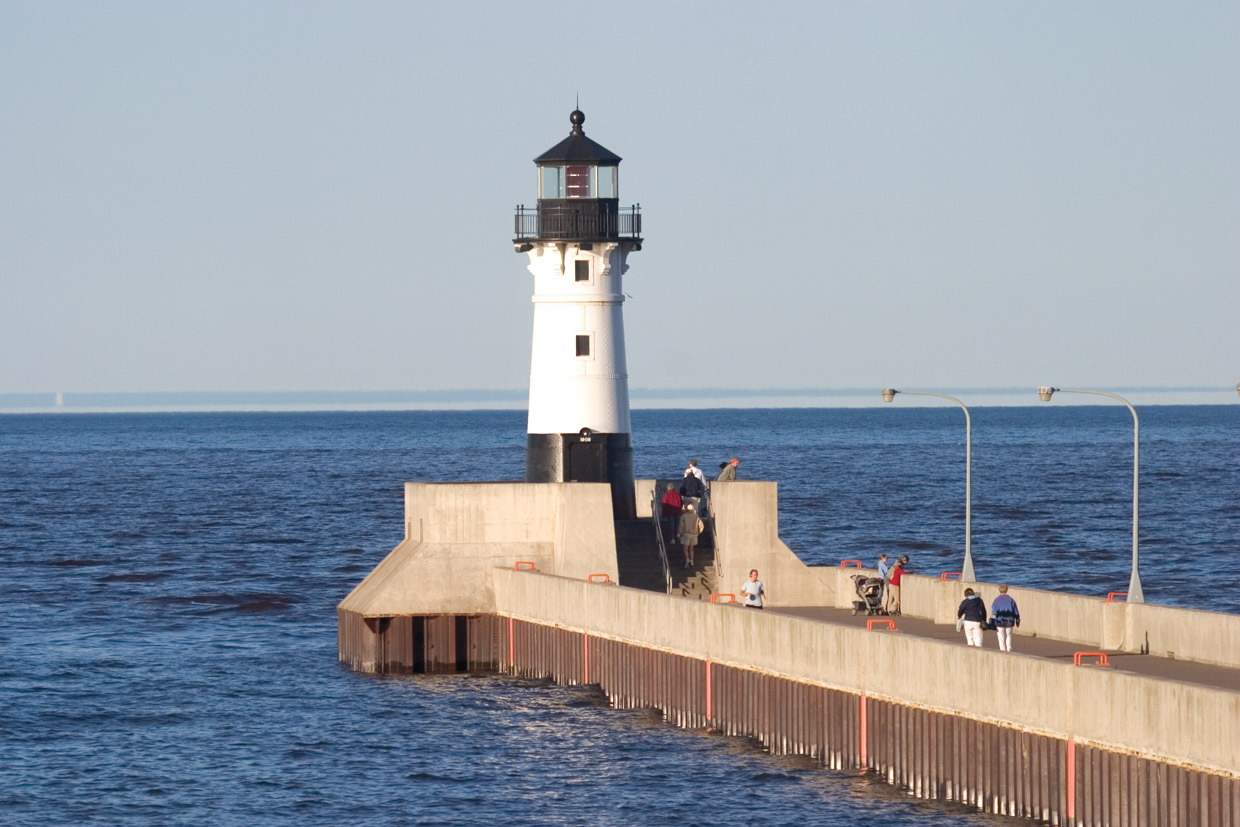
753 591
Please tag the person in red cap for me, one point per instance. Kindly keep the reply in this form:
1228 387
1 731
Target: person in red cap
728 471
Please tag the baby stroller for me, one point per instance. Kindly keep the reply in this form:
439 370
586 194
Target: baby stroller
870 590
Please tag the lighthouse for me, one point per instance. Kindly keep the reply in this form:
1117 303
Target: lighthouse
578 240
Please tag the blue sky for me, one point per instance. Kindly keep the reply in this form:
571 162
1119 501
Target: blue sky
299 196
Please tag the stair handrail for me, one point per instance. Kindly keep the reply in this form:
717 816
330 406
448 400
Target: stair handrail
656 516
710 520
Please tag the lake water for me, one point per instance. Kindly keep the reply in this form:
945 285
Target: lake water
167 629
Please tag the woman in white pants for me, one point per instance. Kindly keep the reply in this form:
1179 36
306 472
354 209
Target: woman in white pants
972 615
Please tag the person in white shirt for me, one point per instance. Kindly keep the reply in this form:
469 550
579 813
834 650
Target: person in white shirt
695 471
753 591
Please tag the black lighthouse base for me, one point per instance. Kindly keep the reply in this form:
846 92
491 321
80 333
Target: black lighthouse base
587 456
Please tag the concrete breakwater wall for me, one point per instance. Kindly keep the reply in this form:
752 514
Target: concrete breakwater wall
1009 734
1163 720
456 535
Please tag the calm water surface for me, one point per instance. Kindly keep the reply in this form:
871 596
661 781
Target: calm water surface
167 644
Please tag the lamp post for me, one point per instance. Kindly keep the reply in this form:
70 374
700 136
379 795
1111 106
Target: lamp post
1135 595
966 573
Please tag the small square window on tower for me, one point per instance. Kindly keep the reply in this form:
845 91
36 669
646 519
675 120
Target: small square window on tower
583 271
583 344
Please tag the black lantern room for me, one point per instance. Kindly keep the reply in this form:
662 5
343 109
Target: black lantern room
578 194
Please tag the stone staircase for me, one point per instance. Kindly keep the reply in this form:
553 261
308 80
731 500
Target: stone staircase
699 581
637 556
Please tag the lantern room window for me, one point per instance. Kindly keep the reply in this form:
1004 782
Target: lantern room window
607 182
578 180
551 182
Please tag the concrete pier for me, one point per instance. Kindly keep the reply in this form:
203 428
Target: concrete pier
1153 738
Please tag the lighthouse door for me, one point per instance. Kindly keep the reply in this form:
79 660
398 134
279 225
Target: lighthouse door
587 462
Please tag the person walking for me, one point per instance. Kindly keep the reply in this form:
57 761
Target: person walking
690 528
727 471
701 478
1005 615
692 489
972 616
672 509
753 591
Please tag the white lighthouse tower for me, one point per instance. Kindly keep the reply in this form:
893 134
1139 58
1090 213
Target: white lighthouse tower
578 241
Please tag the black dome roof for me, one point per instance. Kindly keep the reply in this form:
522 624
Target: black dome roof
577 148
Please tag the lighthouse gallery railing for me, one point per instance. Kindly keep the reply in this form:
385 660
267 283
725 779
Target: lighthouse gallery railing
568 219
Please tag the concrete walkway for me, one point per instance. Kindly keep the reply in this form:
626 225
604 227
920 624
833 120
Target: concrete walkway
1218 677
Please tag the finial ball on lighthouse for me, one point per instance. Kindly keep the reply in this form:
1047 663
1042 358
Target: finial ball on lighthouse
578 240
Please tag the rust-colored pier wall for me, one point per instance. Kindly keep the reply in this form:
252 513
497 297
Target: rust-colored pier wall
418 644
934 755
1181 723
1007 733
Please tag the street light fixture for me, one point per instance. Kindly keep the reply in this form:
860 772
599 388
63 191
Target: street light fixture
966 573
1135 595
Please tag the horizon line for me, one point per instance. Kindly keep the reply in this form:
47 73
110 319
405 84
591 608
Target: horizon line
490 397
